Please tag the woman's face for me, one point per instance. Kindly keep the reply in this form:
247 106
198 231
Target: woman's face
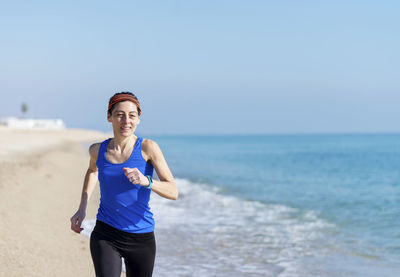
124 118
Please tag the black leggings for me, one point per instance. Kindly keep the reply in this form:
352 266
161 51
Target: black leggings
108 245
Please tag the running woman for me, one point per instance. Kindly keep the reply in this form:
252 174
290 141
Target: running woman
124 166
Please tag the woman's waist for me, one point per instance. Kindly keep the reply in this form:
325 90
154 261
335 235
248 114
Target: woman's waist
131 221
115 207
110 232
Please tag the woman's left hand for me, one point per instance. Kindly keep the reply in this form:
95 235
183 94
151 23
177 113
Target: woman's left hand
135 176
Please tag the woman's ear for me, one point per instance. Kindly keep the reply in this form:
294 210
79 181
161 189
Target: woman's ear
108 117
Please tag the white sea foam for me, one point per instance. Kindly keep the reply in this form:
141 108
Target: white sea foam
88 225
208 233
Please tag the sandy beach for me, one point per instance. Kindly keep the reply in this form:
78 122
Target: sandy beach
41 176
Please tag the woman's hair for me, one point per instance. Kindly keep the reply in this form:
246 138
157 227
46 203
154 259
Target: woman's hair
123 96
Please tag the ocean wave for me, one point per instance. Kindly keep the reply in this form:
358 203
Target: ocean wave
206 231
209 233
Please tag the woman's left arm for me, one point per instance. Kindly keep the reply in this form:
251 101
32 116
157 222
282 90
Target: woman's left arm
166 187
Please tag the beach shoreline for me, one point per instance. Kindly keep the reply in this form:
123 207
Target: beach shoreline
41 178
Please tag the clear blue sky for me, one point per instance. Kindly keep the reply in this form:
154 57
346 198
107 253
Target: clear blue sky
202 67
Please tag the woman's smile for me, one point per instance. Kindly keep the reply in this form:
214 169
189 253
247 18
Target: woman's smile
126 128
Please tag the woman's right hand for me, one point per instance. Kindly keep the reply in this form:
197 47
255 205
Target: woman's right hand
76 221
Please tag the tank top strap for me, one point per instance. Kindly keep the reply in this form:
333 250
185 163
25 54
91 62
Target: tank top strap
137 150
102 149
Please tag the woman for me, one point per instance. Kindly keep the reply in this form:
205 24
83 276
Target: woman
124 166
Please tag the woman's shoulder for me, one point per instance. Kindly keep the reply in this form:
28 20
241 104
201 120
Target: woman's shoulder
149 147
94 149
148 144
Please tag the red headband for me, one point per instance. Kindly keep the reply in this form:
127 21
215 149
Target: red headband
123 97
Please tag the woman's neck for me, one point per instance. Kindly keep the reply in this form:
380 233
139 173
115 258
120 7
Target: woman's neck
121 143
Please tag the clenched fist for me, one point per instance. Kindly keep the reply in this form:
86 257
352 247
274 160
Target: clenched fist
136 177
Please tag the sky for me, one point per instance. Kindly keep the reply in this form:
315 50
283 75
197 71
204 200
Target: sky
206 67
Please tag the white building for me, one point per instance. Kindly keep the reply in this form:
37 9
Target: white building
28 123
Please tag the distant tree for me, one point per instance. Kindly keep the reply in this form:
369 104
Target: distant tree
24 108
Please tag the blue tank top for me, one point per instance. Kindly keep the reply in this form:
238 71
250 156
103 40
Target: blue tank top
124 205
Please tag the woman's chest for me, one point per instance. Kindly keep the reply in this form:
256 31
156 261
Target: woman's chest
118 157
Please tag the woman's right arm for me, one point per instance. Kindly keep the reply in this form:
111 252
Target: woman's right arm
89 184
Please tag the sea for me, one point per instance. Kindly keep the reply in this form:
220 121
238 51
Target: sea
280 206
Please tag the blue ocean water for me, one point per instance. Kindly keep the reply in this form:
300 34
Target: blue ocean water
281 205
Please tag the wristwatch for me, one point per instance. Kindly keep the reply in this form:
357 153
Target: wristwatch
150 181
